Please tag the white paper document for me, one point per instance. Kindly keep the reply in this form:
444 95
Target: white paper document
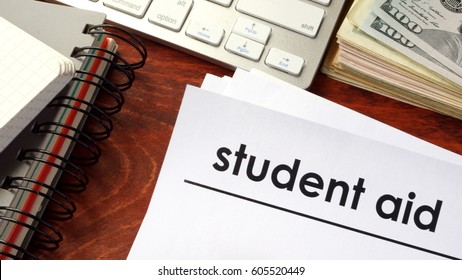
240 181
261 89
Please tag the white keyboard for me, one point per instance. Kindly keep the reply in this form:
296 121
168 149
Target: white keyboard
285 38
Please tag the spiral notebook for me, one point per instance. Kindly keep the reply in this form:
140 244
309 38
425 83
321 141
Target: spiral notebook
31 74
39 167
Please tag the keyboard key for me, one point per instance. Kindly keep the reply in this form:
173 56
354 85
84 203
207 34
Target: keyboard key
285 61
209 34
170 14
225 3
136 8
297 16
250 29
244 47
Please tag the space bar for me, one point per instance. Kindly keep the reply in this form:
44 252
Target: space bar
297 16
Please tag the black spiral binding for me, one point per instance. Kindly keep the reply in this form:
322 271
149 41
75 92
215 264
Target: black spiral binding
61 208
93 113
72 178
108 89
90 150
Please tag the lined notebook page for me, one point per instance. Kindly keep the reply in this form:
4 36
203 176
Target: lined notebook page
31 74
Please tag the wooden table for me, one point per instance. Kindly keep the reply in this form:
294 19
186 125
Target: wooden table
110 212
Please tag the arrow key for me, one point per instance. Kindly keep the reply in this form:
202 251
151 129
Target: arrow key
206 33
253 30
285 61
244 47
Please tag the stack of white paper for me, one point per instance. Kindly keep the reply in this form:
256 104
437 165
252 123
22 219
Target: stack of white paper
258 169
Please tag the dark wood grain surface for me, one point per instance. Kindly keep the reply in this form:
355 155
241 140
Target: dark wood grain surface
110 212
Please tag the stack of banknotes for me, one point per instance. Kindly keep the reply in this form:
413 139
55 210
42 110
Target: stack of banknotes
410 50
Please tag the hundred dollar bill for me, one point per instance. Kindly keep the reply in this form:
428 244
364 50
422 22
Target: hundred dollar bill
382 32
433 25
